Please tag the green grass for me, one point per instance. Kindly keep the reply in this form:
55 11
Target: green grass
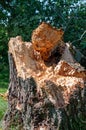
3 88
3 104
3 107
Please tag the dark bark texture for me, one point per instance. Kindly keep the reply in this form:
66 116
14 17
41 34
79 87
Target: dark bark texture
49 97
38 111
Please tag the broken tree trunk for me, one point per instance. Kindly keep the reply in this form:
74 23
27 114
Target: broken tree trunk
47 89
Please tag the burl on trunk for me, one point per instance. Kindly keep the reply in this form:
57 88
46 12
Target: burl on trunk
47 89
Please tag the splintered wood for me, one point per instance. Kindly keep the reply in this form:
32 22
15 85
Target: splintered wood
47 86
59 80
45 39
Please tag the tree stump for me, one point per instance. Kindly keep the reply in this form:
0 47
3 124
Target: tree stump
47 89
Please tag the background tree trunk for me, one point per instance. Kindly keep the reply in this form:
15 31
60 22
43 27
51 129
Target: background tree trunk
46 91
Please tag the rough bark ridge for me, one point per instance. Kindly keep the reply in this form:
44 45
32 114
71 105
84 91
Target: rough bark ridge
47 89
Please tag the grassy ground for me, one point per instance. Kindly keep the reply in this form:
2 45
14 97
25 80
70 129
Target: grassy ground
3 88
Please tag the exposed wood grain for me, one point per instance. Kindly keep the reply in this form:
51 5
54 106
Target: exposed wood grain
45 91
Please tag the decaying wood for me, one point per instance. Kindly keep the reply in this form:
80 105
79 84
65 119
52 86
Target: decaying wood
5 95
47 86
45 39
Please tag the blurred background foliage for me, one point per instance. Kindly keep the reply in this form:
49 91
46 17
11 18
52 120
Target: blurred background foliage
21 17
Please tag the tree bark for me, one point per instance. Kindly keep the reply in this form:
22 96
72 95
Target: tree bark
46 91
